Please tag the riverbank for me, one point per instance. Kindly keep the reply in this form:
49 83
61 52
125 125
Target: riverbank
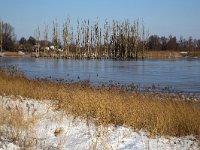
37 124
171 54
147 54
158 114
163 54
16 54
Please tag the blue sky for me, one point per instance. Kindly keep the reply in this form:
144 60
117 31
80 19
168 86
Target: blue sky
161 17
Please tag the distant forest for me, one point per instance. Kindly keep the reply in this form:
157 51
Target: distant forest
86 40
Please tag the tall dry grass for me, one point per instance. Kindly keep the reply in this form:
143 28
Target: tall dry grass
194 53
162 54
12 118
16 54
157 114
14 125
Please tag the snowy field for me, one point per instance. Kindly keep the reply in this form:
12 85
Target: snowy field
57 130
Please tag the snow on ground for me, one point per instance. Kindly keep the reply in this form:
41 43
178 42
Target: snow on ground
7 145
56 130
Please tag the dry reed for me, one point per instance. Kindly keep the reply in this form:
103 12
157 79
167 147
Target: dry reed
157 114
162 54
13 125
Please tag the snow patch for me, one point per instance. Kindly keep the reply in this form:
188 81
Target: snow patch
57 130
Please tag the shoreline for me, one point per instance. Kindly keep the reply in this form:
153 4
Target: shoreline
147 55
165 115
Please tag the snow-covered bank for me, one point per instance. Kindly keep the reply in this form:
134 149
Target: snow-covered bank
54 129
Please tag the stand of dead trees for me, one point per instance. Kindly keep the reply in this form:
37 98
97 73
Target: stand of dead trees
120 40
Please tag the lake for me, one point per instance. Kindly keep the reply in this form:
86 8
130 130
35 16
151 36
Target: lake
182 75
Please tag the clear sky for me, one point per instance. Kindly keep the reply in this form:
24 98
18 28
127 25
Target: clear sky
161 17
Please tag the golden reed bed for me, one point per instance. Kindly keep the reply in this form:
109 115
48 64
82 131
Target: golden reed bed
158 114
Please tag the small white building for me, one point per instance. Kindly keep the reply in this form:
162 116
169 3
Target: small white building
52 47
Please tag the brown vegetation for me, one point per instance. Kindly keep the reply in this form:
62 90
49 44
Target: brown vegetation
15 54
15 118
155 113
194 53
13 123
162 54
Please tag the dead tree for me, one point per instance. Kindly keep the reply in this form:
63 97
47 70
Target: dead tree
121 42
106 39
84 49
127 38
88 38
91 41
100 48
145 37
143 40
114 35
1 35
97 47
37 37
118 40
135 38
66 37
55 36
78 43
72 43
45 38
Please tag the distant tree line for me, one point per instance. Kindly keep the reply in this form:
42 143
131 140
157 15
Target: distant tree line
172 43
7 37
89 40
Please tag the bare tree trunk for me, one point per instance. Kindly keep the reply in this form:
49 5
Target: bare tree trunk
121 41
88 38
114 39
1 35
71 41
45 38
143 39
66 37
55 37
135 38
37 37
118 40
78 43
100 49
127 32
91 42
84 38
106 39
96 40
